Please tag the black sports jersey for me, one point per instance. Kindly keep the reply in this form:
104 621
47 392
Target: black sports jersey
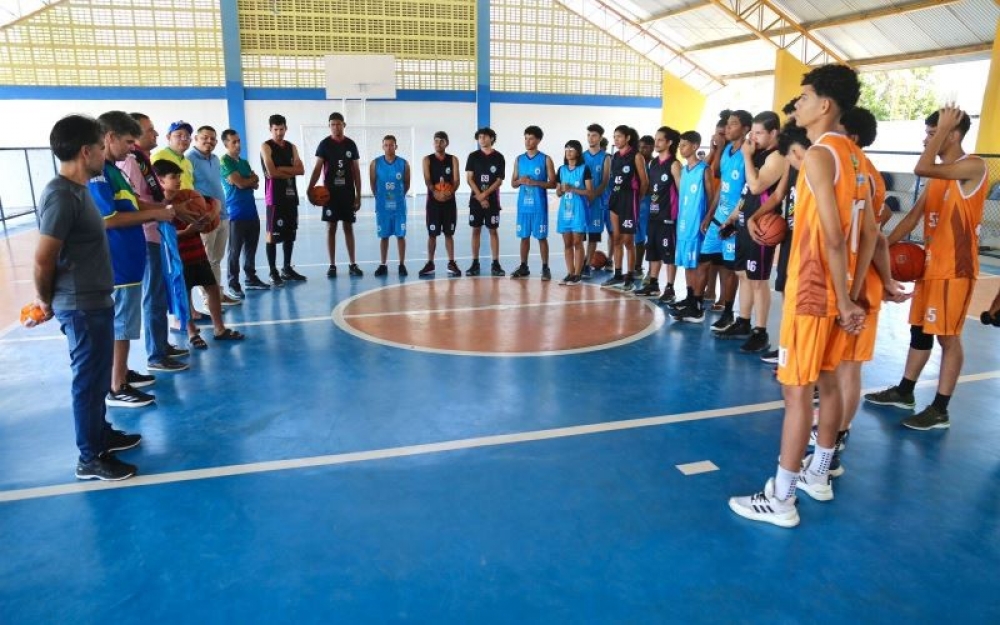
486 169
750 202
441 171
623 174
338 176
280 191
663 190
793 179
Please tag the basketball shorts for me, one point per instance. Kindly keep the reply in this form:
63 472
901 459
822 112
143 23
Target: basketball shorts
940 306
572 218
642 225
858 347
340 210
662 243
489 217
624 204
198 273
390 223
606 218
804 347
441 218
282 223
713 259
711 243
595 217
534 224
687 253
753 258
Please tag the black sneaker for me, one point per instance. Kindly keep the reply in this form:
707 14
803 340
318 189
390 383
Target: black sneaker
496 270
381 271
691 313
758 342
234 291
650 290
453 270
168 364
676 304
669 295
177 352
770 357
892 396
105 467
354 271
428 270
121 441
139 380
930 418
473 269
741 329
522 271
588 272
609 264
614 282
629 285
276 280
330 273
576 280
290 275
402 270
565 279
128 397
546 273
723 322
256 284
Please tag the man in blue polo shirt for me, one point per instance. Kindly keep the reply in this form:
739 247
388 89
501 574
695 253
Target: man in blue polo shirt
208 182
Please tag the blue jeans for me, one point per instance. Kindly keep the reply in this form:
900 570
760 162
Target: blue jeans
154 305
91 335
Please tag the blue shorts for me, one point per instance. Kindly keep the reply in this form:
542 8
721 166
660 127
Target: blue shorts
642 225
572 217
595 217
729 249
687 252
128 312
533 225
390 224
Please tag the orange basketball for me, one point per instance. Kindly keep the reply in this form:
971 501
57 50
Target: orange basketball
771 229
906 261
197 205
443 187
598 260
32 312
318 196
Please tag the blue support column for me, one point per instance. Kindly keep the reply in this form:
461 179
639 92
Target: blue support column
232 53
482 63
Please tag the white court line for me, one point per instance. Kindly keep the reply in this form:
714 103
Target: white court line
434 311
416 450
697 468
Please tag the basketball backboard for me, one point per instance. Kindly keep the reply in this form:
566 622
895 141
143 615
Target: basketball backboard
360 76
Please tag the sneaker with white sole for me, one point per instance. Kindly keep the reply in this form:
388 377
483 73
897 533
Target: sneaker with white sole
892 396
168 365
816 486
105 467
139 380
765 507
121 441
930 418
128 397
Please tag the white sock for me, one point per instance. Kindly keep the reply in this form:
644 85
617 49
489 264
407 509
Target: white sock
784 483
821 458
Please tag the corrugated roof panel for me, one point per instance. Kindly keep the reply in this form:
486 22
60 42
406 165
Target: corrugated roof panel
979 15
747 57
862 40
943 29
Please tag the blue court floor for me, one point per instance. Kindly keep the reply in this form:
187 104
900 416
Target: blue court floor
309 475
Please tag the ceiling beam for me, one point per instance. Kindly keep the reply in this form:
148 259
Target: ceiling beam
694 6
838 20
762 15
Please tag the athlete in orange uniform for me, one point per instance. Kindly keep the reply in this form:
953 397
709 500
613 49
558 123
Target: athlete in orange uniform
834 241
952 208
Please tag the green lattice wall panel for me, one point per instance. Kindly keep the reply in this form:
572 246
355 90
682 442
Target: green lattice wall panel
537 46
284 41
113 43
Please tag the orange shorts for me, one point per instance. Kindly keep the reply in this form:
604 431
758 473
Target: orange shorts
804 349
858 347
940 306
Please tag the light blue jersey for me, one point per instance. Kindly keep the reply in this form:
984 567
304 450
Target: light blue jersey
390 197
732 180
598 207
573 207
690 213
532 199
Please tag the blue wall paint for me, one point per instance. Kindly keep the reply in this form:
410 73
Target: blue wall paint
482 63
232 54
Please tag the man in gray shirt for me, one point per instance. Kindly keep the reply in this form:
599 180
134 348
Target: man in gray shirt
74 282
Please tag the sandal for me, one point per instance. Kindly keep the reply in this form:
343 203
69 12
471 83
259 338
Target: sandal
197 342
229 335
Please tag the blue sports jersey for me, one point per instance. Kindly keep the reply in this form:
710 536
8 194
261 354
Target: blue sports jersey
573 207
532 199
595 162
693 201
113 194
734 177
390 194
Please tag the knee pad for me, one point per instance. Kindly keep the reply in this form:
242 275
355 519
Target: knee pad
919 339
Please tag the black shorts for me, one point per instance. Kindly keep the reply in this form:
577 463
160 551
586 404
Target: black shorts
282 223
340 210
715 259
489 217
753 258
593 237
199 273
661 241
626 206
441 218
781 273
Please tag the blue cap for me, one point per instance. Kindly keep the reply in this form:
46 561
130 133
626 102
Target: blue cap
180 125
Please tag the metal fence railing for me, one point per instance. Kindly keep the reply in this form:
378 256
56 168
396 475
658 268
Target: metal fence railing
24 172
903 185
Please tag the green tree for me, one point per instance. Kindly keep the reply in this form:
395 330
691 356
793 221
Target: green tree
899 94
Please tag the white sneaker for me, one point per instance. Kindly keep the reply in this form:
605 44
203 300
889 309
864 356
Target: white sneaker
836 467
764 506
816 486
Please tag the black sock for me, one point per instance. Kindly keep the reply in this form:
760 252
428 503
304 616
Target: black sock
618 273
287 248
699 302
759 330
941 402
729 308
906 386
691 293
272 255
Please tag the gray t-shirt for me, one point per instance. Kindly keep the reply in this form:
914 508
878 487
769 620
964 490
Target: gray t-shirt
83 271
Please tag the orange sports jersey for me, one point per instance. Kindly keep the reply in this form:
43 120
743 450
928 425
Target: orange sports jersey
873 282
951 229
877 183
809 288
